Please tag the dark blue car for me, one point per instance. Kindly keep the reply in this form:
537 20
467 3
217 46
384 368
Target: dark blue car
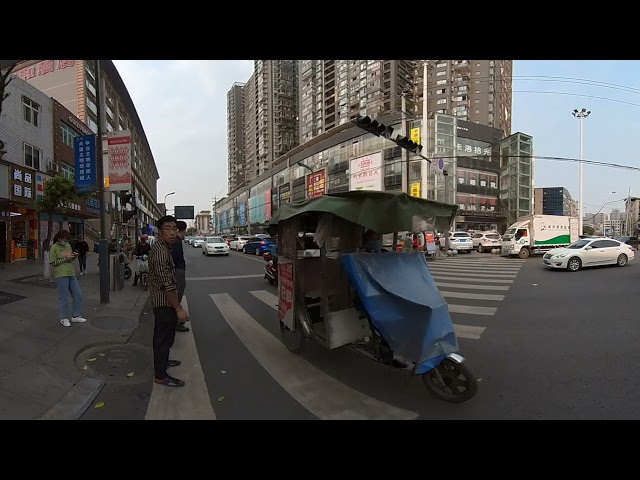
258 245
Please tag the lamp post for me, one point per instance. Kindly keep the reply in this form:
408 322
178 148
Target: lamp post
580 115
165 198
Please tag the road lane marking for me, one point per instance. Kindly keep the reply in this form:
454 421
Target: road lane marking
472 310
191 402
472 296
226 277
472 287
476 276
462 331
475 268
320 394
451 278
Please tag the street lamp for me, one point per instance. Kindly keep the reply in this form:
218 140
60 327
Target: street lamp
165 198
580 115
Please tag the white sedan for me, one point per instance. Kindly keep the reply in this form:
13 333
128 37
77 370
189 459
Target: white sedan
589 252
215 246
238 242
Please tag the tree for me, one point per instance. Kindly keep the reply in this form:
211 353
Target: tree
58 192
191 231
5 80
587 230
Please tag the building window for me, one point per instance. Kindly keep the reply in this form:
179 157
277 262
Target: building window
68 134
31 111
67 171
441 73
441 82
32 156
441 101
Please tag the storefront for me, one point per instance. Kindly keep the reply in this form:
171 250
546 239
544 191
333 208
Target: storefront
73 219
18 215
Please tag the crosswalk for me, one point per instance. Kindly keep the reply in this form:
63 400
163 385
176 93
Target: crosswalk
473 287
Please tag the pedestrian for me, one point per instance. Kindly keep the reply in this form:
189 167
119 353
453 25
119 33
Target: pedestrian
177 252
82 248
167 310
61 257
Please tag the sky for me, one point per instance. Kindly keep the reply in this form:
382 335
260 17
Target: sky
183 107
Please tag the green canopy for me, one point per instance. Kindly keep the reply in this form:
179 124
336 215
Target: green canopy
382 212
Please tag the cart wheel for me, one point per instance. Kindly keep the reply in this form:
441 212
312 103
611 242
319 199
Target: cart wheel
451 382
294 341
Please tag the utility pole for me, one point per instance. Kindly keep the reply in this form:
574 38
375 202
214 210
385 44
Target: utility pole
103 249
424 168
404 152
445 173
581 115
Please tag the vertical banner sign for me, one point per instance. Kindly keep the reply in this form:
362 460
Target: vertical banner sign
366 173
415 135
84 149
415 189
316 183
285 285
119 147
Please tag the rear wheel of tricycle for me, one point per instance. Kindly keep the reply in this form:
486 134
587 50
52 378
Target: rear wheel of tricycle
450 381
296 340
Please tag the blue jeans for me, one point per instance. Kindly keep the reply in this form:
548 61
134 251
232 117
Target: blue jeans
68 285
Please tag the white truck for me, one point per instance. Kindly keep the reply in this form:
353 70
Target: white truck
538 234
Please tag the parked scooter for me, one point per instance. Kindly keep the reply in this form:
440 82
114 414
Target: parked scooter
270 268
143 269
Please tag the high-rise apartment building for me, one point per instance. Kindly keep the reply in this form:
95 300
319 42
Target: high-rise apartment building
553 201
333 91
478 91
270 114
235 136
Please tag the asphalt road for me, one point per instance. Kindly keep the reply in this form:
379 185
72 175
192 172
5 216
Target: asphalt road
544 344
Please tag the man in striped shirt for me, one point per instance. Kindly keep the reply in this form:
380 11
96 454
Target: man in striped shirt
164 298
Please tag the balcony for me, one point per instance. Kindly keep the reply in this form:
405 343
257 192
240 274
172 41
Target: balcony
462 67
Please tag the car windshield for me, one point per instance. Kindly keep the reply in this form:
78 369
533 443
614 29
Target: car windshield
511 231
493 236
214 240
461 235
579 244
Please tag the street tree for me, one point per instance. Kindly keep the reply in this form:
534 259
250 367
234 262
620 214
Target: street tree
587 230
191 231
5 80
58 192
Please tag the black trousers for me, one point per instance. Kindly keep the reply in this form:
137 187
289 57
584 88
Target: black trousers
164 333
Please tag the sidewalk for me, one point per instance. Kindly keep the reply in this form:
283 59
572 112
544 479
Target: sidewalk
53 372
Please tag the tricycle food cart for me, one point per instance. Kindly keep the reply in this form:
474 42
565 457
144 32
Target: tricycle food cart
385 305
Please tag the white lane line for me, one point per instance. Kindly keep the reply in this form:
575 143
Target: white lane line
450 278
479 262
472 296
487 271
320 394
472 310
191 402
462 331
226 277
467 331
476 266
475 275
472 287
250 257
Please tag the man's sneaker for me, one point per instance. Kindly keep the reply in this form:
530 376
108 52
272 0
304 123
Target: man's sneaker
65 322
78 319
169 381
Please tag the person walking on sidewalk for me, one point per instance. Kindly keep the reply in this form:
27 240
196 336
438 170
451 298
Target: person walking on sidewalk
61 258
164 298
82 248
177 252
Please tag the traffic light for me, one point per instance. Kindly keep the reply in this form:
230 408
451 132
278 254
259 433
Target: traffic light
126 198
128 215
408 144
372 126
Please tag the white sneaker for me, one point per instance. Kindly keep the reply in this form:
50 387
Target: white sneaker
78 319
65 322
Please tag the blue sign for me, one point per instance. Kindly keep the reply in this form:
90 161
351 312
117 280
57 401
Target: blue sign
242 214
84 147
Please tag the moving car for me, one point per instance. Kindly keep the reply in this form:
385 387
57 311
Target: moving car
629 240
589 252
197 242
215 246
258 245
486 241
236 243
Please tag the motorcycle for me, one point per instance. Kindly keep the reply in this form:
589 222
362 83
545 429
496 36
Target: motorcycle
270 269
143 269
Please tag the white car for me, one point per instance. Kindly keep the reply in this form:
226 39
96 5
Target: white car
486 241
589 252
215 246
197 242
237 242
460 241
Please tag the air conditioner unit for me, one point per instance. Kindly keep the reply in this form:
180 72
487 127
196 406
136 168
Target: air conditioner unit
52 167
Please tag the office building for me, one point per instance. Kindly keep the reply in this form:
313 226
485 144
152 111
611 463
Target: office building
478 91
235 136
553 201
516 176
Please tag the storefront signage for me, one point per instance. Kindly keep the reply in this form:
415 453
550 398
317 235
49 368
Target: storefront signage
43 68
316 183
22 185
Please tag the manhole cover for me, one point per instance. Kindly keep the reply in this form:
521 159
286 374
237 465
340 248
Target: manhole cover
6 298
113 323
118 364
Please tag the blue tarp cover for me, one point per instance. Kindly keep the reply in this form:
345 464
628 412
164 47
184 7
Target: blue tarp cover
405 305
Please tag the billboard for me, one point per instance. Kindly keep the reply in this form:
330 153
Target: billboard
260 208
84 150
184 213
284 194
365 173
242 214
119 146
316 183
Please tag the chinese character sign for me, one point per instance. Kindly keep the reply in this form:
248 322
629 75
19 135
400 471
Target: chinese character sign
415 135
119 154
84 148
316 183
415 189
365 173
472 148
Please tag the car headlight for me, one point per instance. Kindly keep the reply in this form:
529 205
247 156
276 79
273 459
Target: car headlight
561 255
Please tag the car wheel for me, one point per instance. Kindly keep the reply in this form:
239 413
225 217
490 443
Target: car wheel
622 260
258 251
480 249
574 264
244 249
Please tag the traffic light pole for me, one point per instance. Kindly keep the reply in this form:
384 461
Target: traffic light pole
405 154
103 247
